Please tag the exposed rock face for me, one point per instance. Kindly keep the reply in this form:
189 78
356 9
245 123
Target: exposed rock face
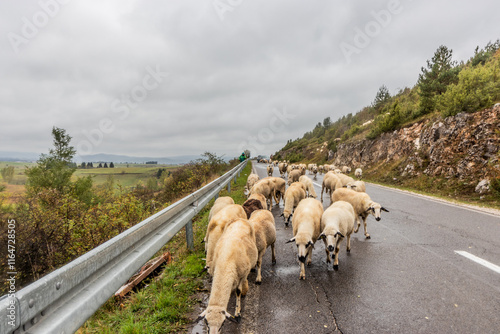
464 146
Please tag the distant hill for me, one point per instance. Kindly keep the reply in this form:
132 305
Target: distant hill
32 156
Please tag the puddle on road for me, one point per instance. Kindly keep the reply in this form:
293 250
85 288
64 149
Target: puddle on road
199 328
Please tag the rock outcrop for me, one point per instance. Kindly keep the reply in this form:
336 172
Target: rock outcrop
464 146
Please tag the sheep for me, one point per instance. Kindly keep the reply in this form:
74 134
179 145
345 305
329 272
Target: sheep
265 187
338 171
294 176
251 180
293 195
219 204
260 198
337 223
235 255
315 172
358 186
362 204
279 187
270 170
265 236
306 230
302 168
346 169
309 186
321 169
216 227
331 182
358 173
345 179
282 168
251 205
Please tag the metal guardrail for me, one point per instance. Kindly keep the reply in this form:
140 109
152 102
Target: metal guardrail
63 300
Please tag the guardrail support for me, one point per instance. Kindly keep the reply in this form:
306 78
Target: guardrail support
229 187
189 235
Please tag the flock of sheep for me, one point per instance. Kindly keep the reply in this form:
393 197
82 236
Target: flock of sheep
238 235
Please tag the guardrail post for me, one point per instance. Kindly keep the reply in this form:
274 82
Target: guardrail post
235 178
189 235
229 187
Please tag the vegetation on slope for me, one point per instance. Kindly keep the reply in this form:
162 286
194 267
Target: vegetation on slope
444 88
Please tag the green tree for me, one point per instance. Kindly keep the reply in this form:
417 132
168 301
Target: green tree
381 97
327 122
53 170
8 173
441 71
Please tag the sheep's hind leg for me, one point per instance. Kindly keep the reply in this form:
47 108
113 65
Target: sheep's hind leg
258 280
273 254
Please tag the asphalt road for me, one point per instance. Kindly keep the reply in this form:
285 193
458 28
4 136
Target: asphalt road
408 278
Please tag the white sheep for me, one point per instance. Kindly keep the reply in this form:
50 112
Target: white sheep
346 169
265 236
251 180
294 176
265 187
331 182
362 204
279 187
235 255
219 204
303 168
309 186
282 168
306 230
358 186
315 172
345 179
216 227
270 170
337 223
358 173
293 195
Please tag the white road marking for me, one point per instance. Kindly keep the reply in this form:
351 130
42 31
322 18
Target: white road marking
483 262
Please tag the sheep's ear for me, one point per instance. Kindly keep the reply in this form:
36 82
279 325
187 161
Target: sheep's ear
353 186
230 317
291 240
341 235
310 244
322 236
282 214
384 209
205 268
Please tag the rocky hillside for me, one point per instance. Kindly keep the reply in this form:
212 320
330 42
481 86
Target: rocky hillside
464 146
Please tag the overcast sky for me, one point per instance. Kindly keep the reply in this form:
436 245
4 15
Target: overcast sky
166 78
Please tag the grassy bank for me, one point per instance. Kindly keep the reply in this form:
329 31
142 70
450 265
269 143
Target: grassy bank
163 304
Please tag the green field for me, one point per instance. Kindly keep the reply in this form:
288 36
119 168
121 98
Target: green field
124 175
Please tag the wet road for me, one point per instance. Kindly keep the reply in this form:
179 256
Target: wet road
408 278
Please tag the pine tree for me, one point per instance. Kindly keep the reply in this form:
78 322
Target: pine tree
441 71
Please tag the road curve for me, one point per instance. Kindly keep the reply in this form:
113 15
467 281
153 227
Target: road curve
412 276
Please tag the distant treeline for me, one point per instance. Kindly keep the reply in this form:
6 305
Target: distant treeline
91 165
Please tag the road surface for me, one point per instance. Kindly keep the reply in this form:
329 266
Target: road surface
429 267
